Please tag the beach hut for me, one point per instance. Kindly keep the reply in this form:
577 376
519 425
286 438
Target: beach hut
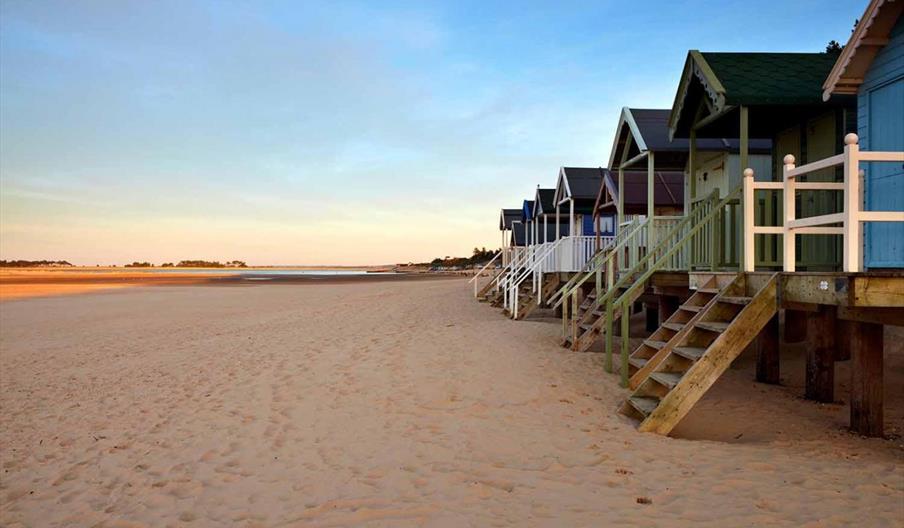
871 68
813 213
777 96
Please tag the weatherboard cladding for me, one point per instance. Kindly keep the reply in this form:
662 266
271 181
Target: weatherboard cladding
880 107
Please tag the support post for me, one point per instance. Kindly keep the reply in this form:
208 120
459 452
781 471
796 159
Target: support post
651 316
621 212
748 251
625 342
692 172
788 250
667 306
609 313
795 326
852 238
768 359
651 199
866 378
820 383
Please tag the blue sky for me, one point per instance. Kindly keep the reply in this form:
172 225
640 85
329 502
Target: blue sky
329 132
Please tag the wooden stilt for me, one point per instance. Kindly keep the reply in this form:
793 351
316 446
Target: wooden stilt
866 345
768 366
842 340
652 316
820 383
795 326
667 306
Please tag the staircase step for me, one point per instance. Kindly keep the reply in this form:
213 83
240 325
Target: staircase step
690 308
735 300
691 353
712 326
585 326
644 404
652 343
667 379
637 362
675 327
707 290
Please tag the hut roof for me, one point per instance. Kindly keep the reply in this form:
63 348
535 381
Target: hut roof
783 85
582 184
507 217
544 202
649 132
870 36
668 191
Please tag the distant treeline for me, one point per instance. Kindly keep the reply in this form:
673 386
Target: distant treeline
192 264
34 263
478 256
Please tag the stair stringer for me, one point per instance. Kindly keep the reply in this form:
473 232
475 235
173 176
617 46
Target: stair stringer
675 405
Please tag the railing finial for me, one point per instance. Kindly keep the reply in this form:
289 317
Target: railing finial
748 172
851 139
789 159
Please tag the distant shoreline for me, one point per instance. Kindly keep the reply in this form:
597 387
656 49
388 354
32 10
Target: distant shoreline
22 283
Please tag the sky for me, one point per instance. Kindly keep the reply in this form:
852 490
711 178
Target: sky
332 132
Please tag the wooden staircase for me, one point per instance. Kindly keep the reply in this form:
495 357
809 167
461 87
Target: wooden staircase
705 347
655 348
527 301
592 317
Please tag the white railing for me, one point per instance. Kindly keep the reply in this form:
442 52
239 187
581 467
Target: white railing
537 268
850 219
483 269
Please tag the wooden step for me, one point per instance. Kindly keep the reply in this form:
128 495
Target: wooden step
667 379
735 300
585 326
712 326
707 290
652 343
674 327
644 404
690 308
691 353
637 362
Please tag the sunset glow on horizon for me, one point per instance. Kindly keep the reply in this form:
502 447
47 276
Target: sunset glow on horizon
327 133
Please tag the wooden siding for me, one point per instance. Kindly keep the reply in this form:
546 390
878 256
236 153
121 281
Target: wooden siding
880 113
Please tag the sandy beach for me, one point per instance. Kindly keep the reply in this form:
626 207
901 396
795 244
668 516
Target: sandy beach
393 403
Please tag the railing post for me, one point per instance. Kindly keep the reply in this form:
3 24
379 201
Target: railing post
852 258
788 251
609 313
748 251
625 338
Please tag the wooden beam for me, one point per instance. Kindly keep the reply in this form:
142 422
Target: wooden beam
893 316
866 378
820 382
877 291
768 353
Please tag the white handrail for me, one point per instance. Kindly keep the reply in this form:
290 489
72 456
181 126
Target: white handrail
537 267
850 219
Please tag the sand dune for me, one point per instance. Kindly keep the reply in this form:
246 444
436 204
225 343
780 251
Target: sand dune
387 404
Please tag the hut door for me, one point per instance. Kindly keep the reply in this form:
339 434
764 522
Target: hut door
884 182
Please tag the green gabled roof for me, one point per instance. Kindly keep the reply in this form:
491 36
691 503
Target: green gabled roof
778 88
771 78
